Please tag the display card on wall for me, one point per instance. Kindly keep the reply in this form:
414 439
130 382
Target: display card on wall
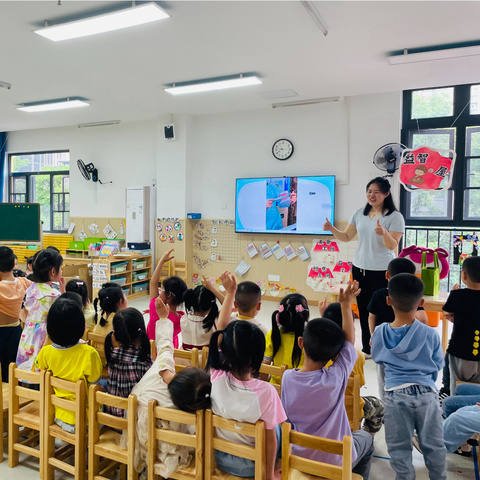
251 250
265 251
242 268
278 251
289 252
302 253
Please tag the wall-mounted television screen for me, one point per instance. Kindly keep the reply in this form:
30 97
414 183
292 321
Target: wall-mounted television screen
286 205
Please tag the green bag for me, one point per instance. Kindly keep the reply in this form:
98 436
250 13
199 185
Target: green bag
431 275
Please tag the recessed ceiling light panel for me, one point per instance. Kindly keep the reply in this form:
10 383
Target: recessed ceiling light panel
50 105
210 84
129 17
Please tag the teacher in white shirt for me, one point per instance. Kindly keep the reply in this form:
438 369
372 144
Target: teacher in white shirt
379 226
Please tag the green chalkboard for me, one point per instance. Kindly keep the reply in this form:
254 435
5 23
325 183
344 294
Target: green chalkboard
20 222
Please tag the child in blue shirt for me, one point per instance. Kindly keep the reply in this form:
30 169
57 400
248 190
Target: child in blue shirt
412 355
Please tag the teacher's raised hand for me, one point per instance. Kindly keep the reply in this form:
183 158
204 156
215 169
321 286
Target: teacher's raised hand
327 226
379 230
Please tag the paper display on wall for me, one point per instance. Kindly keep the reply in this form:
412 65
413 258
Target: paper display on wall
289 252
109 232
93 227
278 251
251 250
302 253
242 268
265 251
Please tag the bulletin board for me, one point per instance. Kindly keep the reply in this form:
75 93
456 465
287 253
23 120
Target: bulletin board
211 246
98 227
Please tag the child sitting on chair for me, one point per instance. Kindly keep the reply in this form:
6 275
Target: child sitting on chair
462 307
188 390
68 357
314 397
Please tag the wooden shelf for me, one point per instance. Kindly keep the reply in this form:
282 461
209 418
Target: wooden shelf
107 273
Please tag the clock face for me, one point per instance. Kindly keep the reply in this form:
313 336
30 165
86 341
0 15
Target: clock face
282 149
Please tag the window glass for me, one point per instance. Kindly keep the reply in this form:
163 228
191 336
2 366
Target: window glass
475 100
40 162
33 180
437 102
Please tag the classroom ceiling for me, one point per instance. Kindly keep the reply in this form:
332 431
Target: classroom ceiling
123 73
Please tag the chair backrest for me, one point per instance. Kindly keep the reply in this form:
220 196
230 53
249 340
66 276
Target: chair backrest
352 402
185 358
214 442
203 363
3 417
180 269
153 349
71 396
312 467
102 443
194 441
26 408
97 341
276 371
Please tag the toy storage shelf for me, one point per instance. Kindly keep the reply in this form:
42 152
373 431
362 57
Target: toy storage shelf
71 253
123 268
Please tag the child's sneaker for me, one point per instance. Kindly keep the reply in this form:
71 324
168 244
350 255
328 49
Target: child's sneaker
442 395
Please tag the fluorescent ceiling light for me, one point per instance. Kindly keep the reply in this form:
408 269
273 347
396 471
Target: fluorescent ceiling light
312 10
432 53
209 84
129 17
6 85
99 124
310 101
53 105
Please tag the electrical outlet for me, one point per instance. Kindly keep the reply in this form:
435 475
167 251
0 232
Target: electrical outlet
274 278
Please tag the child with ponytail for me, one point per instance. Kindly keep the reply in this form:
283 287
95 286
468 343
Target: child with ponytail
127 350
111 299
198 324
288 323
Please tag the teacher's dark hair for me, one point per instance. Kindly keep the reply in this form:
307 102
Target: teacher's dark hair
384 186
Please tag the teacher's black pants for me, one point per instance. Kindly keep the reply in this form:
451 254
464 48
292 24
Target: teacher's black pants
369 281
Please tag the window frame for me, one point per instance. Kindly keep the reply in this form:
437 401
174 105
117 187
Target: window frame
461 119
28 177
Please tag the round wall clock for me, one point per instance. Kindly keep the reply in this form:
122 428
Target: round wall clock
282 149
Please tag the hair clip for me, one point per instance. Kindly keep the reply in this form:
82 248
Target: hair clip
299 308
207 395
79 283
281 308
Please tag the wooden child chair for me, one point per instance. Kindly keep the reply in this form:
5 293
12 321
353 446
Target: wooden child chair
214 442
185 358
103 436
97 341
195 441
299 468
4 417
29 415
276 371
352 402
70 396
204 358
180 269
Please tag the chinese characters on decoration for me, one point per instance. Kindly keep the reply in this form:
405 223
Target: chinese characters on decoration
426 169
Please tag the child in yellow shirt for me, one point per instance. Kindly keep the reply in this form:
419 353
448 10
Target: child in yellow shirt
68 357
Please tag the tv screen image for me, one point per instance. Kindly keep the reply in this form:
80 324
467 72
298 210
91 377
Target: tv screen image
286 205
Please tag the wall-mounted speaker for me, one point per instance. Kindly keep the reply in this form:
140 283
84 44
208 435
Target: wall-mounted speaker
169 132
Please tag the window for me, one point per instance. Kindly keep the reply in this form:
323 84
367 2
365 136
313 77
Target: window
445 118
42 178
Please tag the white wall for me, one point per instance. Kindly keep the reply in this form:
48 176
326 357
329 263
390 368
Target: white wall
331 138
197 171
126 154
